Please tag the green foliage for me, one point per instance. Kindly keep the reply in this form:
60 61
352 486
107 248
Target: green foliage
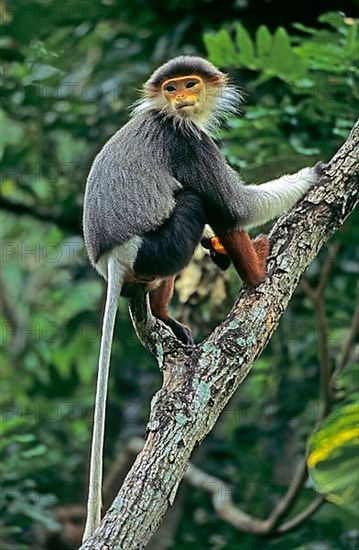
272 55
333 457
303 93
275 54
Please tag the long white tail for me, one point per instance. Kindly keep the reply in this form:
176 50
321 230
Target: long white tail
94 502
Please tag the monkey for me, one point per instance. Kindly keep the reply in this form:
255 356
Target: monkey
149 193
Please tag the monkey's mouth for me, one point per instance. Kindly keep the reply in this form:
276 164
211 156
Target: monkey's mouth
185 104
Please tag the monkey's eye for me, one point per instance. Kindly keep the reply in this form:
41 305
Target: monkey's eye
191 84
170 88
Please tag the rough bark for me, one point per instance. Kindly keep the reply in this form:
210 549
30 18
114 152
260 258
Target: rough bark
198 381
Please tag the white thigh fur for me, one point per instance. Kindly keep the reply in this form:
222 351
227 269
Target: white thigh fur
123 255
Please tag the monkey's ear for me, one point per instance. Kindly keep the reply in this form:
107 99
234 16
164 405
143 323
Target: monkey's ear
220 259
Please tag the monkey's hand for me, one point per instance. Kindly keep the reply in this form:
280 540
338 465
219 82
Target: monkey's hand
217 245
217 252
311 175
319 170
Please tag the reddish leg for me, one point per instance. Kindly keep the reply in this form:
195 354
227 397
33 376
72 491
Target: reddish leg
159 300
262 247
248 257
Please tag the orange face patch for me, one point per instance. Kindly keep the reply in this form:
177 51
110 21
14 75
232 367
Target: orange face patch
183 91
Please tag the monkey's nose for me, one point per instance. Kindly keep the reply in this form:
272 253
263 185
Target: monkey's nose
181 95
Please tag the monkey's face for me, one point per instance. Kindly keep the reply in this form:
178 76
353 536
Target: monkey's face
192 92
184 94
189 97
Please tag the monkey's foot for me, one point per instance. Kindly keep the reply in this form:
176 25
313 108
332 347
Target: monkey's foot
182 332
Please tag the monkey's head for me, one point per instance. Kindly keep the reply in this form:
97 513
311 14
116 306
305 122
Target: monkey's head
192 91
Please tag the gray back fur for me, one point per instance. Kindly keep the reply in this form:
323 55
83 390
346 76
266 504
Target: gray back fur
129 191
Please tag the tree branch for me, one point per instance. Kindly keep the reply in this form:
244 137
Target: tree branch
200 380
300 518
349 343
317 297
231 514
69 223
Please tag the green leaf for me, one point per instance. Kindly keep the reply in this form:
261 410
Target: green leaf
296 142
292 68
35 451
332 18
264 44
229 53
304 28
282 55
221 48
24 438
12 131
333 458
351 47
213 48
40 72
245 47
